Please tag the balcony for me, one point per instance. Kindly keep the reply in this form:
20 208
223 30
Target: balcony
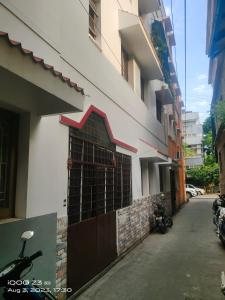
148 6
150 153
171 38
160 42
162 92
137 43
168 24
216 28
165 97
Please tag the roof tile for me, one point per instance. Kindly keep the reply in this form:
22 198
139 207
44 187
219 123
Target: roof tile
41 62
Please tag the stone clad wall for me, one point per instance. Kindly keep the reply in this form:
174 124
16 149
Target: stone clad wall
61 256
134 222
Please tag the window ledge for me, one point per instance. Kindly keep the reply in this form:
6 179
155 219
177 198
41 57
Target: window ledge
95 43
10 220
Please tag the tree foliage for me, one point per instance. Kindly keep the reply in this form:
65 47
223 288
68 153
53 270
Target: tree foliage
204 175
207 125
208 143
188 152
207 174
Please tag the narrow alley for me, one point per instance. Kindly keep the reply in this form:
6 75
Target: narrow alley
112 122
185 263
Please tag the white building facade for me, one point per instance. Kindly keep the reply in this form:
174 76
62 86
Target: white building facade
193 138
82 112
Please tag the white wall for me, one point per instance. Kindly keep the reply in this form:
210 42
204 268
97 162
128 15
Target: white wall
110 41
47 173
145 177
154 178
66 54
60 36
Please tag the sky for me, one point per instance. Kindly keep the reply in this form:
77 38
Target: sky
199 93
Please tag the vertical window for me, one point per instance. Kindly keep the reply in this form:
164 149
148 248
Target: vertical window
158 110
8 150
161 179
124 63
93 18
142 89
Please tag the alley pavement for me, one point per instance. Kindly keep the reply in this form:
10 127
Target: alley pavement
184 264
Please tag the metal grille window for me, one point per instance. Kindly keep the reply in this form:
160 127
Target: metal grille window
93 18
100 178
8 145
4 163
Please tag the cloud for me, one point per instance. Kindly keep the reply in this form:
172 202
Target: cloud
200 88
202 103
202 76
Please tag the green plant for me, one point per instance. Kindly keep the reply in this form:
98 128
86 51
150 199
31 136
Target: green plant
204 175
208 174
188 152
207 125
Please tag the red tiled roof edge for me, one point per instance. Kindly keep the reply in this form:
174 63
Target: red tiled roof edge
41 62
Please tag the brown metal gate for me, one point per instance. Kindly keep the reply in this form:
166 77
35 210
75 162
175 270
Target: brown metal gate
99 183
91 247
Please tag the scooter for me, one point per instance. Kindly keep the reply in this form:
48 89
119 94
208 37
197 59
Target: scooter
162 221
11 278
218 203
221 226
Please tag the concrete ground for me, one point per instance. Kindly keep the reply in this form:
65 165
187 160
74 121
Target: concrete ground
185 263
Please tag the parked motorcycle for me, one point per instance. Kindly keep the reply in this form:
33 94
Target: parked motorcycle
218 203
223 283
161 221
11 278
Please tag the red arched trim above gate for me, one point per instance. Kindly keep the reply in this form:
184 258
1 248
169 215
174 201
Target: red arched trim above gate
69 122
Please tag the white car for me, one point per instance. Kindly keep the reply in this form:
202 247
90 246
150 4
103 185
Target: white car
198 190
190 192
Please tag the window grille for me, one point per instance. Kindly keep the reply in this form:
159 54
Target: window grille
93 18
4 163
100 177
8 152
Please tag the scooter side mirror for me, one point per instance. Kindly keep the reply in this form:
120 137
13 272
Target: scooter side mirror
24 237
27 235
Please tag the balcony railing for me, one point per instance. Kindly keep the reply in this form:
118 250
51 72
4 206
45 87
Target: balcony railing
160 43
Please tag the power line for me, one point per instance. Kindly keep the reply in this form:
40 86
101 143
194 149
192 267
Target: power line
99 31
